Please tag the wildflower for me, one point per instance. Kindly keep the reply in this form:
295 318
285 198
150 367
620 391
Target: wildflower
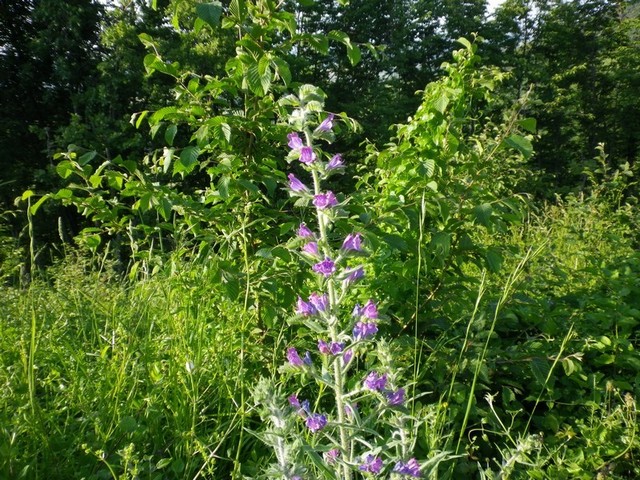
321 302
304 232
353 242
295 142
325 200
363 330
296 185
411 468
327 124
347 356
293 401
311 248
375 381
325 267
371 464
331 456
333 348
294 358
305 308
357 311
335 162
396 398
370 310
307 359
323 347
354 275
316 422
307 155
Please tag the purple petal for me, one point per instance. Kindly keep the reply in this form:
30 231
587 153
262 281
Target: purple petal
363 330
316 422
296 185
353 242
370 310
294 358
295 142
326 125
354 275
396 398
375 381
371 464
307 155
335 162
411 468
311 248
293 401
304 232
321 302
325 267
305 308
325 200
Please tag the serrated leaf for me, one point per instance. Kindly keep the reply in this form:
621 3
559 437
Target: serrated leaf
441 103
482 214
210 13
187 161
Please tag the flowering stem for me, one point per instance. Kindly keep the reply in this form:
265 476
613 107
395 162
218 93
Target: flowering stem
338 387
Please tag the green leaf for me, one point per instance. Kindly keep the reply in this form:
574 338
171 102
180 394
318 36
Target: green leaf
464 42
34 208
482 214
210 13
187 161
170 133
87 157
520 143
441 103
529 124
65 169
354 53
494 260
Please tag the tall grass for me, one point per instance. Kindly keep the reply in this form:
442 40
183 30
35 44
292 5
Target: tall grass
110 379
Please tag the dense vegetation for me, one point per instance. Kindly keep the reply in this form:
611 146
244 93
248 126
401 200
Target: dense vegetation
148 248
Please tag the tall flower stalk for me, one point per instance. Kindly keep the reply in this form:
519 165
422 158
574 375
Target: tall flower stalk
361 429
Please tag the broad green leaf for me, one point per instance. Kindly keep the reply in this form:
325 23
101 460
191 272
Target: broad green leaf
494 260
210 13
27 194
441 103
187 161
464 42
520 143
529 124
87 157
65 169
170 133
34 208
353 53
482 214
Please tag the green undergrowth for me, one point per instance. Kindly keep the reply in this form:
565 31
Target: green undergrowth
103 378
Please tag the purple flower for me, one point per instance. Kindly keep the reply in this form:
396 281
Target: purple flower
296 185
325 200
331 456
307 155
316 422
333 348
347 356
293 401
305 308
354 275
321 302
295 142
294 358
326 125
304 232
357 311
375 381
311 248
353 242
307 359
371 464
335 162
396 398
411 468
305 406
297 477
325 267
363 330
370 311
323 347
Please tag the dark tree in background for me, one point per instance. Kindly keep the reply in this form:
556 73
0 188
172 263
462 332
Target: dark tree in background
49 52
